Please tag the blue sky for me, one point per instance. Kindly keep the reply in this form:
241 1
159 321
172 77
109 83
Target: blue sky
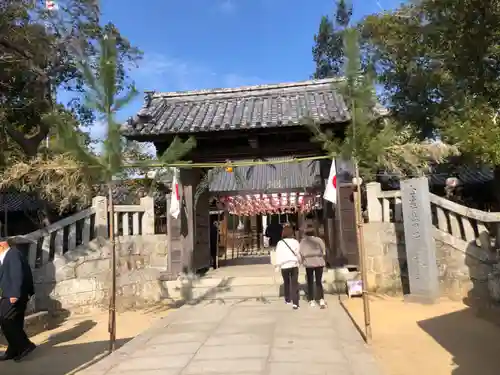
196 44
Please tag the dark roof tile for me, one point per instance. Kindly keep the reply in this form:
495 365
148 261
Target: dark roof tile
237 109
18 201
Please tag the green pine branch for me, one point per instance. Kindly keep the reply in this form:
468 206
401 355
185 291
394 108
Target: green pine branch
102 94
373 141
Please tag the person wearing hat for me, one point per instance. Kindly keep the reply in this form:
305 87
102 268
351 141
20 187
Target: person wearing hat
16 288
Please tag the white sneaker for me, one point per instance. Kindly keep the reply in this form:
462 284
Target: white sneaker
322 303
295 307
312 304
288 303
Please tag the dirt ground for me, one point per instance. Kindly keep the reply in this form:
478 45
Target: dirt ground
78 342
442 339
408 339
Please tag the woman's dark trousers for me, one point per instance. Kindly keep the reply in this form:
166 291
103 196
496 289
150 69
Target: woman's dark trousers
314 276
291 284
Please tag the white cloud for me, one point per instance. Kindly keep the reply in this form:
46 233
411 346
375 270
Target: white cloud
162 73
226 6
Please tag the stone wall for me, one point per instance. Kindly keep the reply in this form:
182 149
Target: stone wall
463 268
81 279
386 255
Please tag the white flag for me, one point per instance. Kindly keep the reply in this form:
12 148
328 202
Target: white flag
175 201
331 185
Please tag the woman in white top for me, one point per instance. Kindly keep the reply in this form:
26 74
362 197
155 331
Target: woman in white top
287 259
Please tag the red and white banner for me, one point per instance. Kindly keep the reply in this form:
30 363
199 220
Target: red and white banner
175 199
331 185
255 204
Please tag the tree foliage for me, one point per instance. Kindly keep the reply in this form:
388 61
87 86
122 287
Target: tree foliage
375 141
38 60
104 96
328 53
435 58
60 180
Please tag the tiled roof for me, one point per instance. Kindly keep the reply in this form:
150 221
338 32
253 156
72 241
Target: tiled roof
267 177
17 201
241 108
466 174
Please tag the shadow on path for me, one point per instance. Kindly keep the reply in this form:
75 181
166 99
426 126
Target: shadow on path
473 343
55 357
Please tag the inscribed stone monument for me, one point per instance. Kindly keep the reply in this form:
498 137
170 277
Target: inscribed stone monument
419 239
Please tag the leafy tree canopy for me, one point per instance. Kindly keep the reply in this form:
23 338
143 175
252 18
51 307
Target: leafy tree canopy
327 51
375 142
38 58
439 63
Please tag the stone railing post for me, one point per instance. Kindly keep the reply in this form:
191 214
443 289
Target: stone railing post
373 191
100 205
148 220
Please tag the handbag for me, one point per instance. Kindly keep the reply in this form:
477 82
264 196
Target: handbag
297 255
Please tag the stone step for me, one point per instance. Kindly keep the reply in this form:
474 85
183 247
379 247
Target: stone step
227 287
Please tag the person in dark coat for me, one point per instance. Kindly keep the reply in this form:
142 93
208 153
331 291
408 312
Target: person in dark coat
214 232
16 288
273 231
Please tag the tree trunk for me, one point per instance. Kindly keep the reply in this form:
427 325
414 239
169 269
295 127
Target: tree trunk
29 145
112 296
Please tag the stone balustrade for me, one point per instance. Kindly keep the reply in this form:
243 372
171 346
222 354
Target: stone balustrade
383 206
80 229
467 224
133 220
71 259
466 241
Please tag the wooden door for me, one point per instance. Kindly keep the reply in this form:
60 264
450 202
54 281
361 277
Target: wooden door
346 224
201 251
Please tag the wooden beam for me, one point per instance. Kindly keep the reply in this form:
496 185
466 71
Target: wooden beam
221 153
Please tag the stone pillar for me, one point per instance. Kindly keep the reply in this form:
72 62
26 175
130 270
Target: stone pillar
373 191
419 240
148 219
100 205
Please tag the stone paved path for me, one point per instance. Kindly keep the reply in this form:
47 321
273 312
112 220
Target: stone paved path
246 337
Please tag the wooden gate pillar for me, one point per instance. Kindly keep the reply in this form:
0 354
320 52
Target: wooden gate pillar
195 231
188 238
174 240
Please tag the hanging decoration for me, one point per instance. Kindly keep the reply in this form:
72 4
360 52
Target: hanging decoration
229 166
278 203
